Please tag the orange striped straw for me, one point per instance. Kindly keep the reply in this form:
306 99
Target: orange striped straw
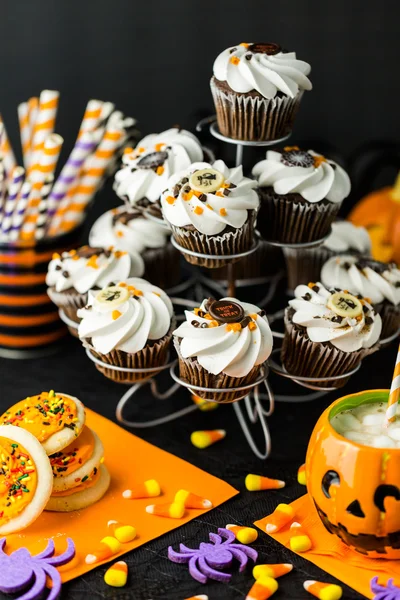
33 109
93 171
394 394
24 130
44 125
9 161
91 117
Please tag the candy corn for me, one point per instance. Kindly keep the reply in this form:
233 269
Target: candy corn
190 500
323 591
123 533
255 483
281 516
301 475
273 571
108 547
173 511
262 589
299 540
245 535
203 439
117 574
204 405
148 489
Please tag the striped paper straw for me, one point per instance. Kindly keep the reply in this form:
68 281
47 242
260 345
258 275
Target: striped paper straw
33 109
67 178
9 161
17 179
91 118
42 208
394 392
45 121
106 111
20 211
3 184
24 130
93 171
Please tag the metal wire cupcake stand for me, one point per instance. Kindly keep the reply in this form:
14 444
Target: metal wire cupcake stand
252 407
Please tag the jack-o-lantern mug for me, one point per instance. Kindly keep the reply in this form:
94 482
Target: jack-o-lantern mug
355 488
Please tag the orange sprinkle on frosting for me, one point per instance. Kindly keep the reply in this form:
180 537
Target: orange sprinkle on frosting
198 210
160 170
290 148
252 326
170 199
128 150
254 316
115 314
209 206
223 212
122 284
188 196
245 44
157 147
72 457
234 60
92 262
318 160
233 327
120 234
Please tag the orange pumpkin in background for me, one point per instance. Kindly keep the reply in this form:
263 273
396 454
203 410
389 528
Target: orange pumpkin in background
355 488
379 213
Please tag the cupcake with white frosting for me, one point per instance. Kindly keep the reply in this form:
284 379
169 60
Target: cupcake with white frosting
72 274
223 344
132 232
328 332
257 90
128 324
301 193
147 168
380 282
305 264
211 210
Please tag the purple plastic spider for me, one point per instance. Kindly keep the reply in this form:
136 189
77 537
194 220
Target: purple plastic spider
388 592
210 559
19 570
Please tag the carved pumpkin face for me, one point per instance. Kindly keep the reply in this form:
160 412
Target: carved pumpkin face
355 489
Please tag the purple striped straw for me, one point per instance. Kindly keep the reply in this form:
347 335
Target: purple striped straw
14 189
19 214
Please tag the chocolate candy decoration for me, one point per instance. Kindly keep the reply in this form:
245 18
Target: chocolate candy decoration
126 216
345 305
88 252
226 311
269 48
206 180
297 158
152 160
112 296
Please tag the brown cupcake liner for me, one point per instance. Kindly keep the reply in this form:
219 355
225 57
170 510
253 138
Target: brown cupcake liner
267 260
304 266
69 301
300 356
231 242
193 373
162 266
152 355
390 315
286 220
252 117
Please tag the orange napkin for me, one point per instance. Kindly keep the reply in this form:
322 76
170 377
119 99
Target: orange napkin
130 460
331 555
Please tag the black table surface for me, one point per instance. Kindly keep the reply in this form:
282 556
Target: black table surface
151 574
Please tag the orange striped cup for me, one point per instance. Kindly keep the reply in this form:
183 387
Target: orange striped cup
29 321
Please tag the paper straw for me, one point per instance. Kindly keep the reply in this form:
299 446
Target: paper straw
24 130
9 161
394 392
17 179
33 109
42 208
106 111
93 172
91 118
3 186
45 167
20 211
67 177
45 122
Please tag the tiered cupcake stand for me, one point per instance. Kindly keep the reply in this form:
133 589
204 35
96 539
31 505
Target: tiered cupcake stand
253 407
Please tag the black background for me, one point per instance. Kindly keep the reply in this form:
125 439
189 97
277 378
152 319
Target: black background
154 60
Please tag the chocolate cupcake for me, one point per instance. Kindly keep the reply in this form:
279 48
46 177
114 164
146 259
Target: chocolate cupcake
133 232
72 274
127 325
380 282
257 90
147 168
211 210
223 344
328 333
305 264
301 193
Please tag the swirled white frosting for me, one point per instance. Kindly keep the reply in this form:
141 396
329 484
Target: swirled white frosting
222 349
377 281
146 315
307 173
345 236
134 236
216 211
246 68
323 325
170 151
72 270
